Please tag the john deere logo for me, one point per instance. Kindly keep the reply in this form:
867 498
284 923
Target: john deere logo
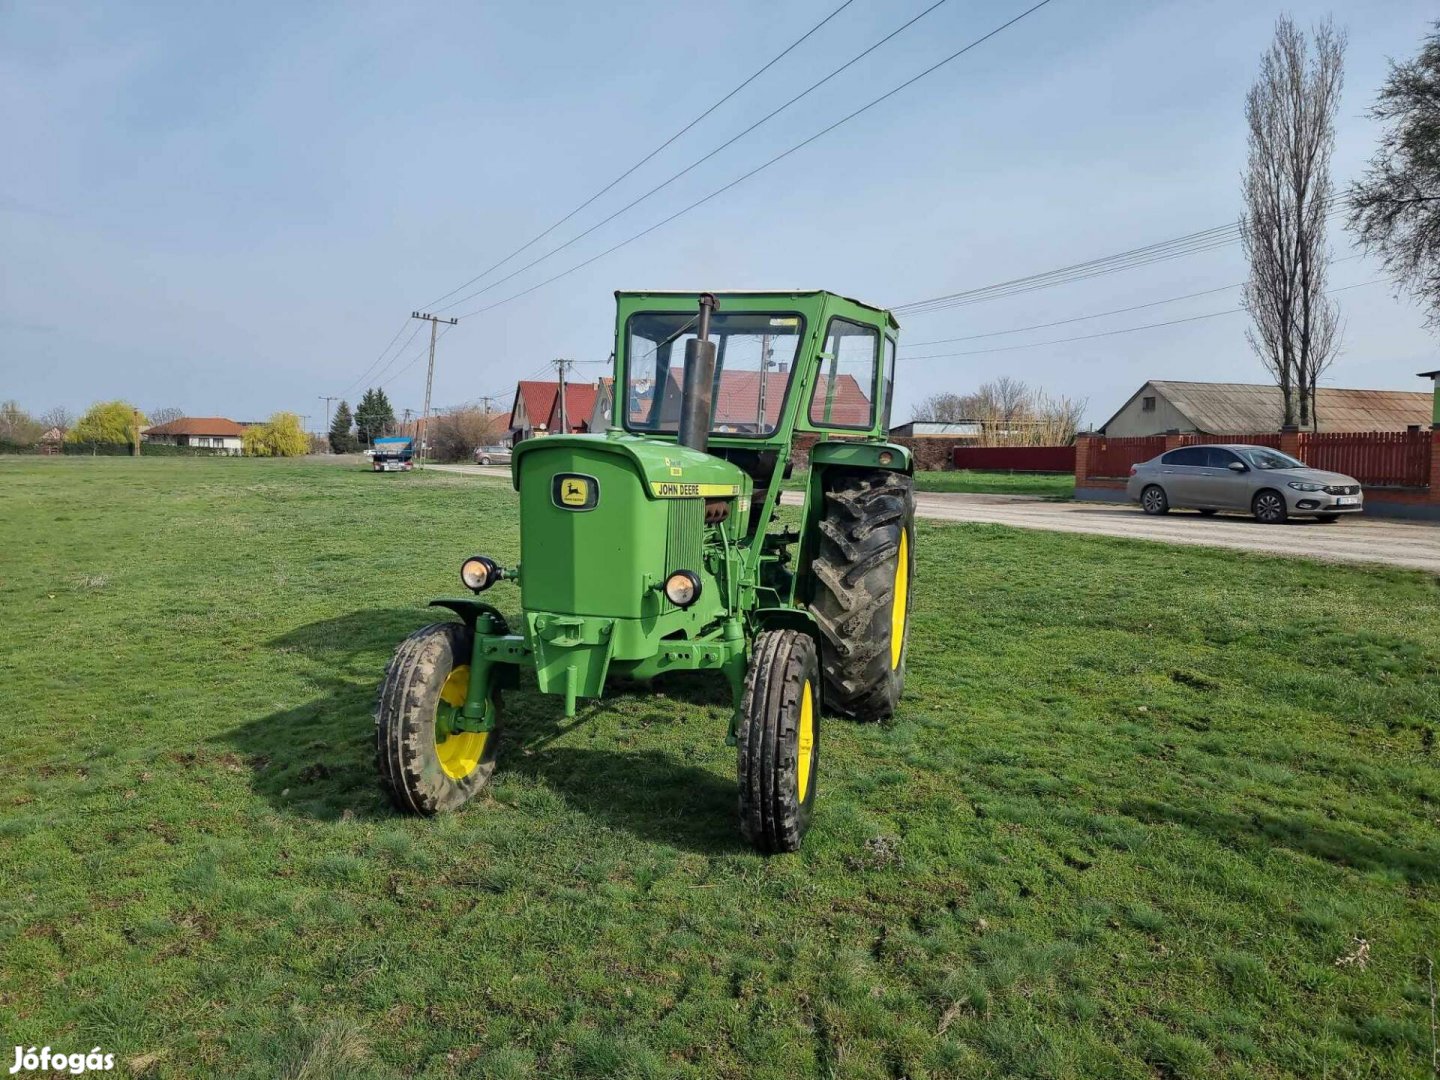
573 492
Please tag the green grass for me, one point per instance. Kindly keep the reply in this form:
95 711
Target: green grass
1042 485
1138 806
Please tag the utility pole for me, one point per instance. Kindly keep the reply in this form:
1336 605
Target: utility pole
136 421
561 365
327 401
434 321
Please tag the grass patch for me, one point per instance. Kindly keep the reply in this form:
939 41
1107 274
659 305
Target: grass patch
1139 804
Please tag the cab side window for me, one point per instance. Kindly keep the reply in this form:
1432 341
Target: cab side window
844 394
1217 458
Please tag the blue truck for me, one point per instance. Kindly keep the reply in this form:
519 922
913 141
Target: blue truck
394 455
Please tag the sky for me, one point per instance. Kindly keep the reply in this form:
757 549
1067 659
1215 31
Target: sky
232 209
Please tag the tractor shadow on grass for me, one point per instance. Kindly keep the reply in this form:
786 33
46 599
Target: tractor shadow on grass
1259 831
318 760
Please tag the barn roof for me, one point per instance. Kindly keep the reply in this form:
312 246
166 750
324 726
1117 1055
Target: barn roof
1218 408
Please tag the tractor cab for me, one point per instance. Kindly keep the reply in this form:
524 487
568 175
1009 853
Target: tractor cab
656 547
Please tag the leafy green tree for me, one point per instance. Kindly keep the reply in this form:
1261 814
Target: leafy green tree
1395 207
280 436
17 426
374 418
107 422
342 439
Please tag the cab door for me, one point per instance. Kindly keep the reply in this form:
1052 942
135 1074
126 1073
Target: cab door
1181 475
1221 486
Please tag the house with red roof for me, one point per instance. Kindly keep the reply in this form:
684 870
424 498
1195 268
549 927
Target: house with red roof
211 432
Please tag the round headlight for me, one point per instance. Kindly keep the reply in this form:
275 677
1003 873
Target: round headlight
886 457
478 573
682 588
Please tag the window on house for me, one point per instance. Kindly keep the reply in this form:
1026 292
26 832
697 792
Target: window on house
1147 404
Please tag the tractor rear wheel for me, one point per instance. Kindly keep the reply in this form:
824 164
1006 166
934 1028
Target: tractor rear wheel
779 740
425 767
861 599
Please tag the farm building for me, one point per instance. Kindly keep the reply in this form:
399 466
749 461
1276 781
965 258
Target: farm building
211 432
1224 408
954 430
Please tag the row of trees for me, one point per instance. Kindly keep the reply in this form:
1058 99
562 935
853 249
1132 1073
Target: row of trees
372 419
1010 413
1393 209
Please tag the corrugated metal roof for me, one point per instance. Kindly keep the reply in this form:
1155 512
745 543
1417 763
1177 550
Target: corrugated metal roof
1218 408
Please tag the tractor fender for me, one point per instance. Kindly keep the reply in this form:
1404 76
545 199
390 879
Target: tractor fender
861 455
470 610
786 618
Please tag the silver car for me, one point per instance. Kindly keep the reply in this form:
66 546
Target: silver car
1254 479
492 455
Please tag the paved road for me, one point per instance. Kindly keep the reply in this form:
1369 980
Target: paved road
1354 540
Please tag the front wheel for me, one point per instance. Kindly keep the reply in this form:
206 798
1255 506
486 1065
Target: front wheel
426 765
1269 508
1154 501
779 740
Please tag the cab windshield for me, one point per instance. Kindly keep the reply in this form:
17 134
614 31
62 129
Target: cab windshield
754 360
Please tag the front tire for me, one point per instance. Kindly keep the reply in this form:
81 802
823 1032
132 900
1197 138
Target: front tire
424 767
1154 501
862 575
1269 507
779 741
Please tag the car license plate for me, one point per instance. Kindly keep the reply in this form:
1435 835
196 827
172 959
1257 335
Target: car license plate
1346 500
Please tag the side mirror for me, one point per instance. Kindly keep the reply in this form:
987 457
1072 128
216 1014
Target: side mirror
1238 466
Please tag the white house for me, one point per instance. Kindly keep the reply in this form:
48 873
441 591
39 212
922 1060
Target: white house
212 432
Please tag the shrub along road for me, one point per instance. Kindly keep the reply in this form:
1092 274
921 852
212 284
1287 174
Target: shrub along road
1146 811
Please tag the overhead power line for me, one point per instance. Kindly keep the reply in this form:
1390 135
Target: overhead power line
1161 251
541 235
1108 333
761 168
693 165
377 360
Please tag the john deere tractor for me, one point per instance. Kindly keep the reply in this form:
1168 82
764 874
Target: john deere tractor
654 548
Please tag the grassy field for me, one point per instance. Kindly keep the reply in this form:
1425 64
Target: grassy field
1044 485
1147 812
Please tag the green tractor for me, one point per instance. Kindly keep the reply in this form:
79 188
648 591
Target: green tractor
654 548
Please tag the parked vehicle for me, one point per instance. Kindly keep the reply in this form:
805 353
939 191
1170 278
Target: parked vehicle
492 455
1254 479
394 455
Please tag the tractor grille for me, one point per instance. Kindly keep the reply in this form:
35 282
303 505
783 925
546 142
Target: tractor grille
687 531
1342 489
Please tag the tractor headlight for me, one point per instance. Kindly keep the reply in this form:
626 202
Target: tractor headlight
478 573
1299 486
682 588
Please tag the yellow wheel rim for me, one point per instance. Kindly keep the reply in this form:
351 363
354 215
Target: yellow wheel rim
807 738
461 752
902 599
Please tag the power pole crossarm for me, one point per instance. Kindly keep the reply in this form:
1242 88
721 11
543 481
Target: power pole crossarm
434 321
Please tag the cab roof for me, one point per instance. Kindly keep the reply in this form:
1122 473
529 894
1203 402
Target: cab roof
890 318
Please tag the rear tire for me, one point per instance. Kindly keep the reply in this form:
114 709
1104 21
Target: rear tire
1269 507
779 741
1154 501
862 582
422 776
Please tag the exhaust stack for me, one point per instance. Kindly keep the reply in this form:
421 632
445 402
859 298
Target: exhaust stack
696 397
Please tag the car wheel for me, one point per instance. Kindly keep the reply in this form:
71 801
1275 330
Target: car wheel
1154 501
1269 508
484 461
1208 512
1327 519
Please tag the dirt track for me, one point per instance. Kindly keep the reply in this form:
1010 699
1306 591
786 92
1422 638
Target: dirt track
1356 540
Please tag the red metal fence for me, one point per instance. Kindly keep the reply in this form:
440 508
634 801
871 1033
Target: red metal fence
1060 459
1113 457
1263 438
1375 458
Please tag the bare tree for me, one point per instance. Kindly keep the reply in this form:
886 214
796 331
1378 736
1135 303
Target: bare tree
164 416
58 417
1395 208
1290 111
1009 413
454 434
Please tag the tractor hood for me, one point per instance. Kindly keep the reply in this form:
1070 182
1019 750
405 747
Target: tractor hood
668 471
